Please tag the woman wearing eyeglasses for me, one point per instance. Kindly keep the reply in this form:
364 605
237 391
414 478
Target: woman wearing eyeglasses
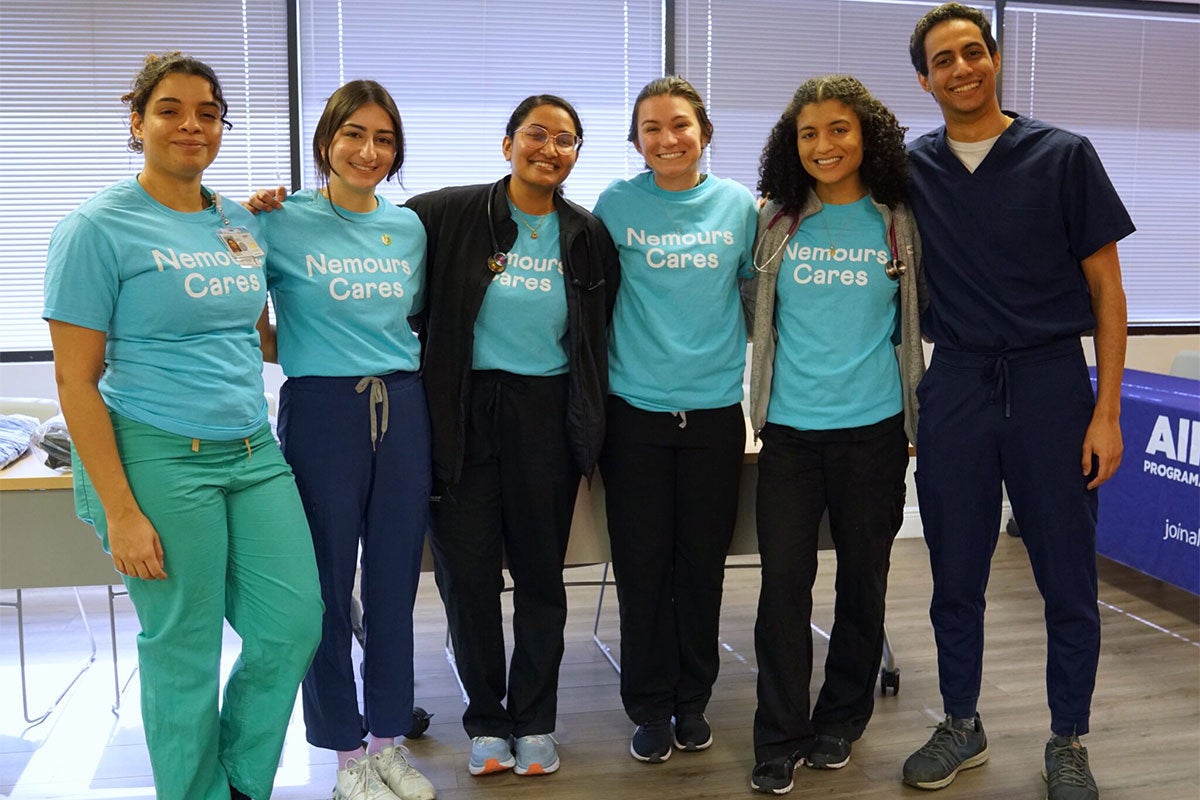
676 437
521 282
837 357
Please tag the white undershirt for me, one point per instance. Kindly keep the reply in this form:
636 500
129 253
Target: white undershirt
972 154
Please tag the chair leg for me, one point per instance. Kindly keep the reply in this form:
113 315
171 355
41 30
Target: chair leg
19 606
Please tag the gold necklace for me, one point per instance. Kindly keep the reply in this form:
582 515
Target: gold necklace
829 235
533 229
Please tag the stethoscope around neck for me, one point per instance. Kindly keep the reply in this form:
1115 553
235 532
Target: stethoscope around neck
498 261
894 268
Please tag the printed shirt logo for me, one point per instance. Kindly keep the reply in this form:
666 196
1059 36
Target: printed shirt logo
198 284
345 283
668 249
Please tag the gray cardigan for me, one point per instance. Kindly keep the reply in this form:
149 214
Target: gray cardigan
758 300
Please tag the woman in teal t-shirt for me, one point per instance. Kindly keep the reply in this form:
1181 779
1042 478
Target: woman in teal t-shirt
676 438
837 357
346 271
515 370
153 288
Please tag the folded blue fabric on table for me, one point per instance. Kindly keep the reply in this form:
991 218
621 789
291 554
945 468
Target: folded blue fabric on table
16 431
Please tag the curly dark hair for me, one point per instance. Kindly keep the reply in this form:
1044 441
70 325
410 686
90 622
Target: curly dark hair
155 67
884 167
945 13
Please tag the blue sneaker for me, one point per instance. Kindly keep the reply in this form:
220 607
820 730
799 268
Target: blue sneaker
489 754
536 755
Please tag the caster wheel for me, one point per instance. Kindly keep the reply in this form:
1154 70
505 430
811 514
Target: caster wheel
889 679
420 723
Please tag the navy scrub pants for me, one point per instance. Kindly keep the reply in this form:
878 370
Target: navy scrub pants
377 494
513 503
1018 418
671 492
858 475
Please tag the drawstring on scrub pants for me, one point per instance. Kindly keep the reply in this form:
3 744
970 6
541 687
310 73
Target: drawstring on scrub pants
378 396
999 378
246 440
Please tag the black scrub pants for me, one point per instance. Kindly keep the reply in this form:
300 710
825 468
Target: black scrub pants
858 475
514 502
671 488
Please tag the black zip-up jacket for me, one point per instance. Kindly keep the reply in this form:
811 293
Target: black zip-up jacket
460 241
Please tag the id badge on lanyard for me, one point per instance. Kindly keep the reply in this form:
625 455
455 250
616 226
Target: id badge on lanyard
241 246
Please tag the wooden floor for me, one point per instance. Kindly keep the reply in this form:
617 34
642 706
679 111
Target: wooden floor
1146 719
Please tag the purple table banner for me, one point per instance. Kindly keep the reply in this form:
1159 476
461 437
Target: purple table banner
1150 509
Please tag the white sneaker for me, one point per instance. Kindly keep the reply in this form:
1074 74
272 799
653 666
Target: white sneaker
360 781
391 763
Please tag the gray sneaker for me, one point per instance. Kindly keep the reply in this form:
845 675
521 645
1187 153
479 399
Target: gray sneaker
1066 770
956 744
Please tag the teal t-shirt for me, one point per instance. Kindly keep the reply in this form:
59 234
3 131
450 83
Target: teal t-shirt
678 337
344 286
522 324
182 352
836 313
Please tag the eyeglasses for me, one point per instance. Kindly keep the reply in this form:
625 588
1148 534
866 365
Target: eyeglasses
537 136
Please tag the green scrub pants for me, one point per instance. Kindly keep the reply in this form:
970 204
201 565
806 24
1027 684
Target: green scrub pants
236 546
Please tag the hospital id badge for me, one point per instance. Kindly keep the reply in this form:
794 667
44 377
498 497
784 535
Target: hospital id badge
241 246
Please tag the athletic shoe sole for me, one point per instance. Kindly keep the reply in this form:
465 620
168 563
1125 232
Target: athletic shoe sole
694 748
974 761
838 765
654 759
492 765
781 790
537 769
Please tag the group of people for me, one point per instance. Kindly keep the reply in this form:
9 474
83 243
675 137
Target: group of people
459 363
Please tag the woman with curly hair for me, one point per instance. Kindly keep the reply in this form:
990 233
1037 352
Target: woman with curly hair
837 356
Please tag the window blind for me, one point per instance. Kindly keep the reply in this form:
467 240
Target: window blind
64 65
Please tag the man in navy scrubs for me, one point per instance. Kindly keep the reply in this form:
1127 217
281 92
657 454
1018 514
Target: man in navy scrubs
1019 225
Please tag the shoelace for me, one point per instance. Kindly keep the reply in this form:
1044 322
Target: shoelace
389 756
942 750
1070 766
365 777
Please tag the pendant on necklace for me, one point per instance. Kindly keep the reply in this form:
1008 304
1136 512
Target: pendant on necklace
533 234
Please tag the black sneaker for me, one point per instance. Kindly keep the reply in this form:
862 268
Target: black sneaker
692 732
828 752
651 742
956 744
775 776
1066 770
